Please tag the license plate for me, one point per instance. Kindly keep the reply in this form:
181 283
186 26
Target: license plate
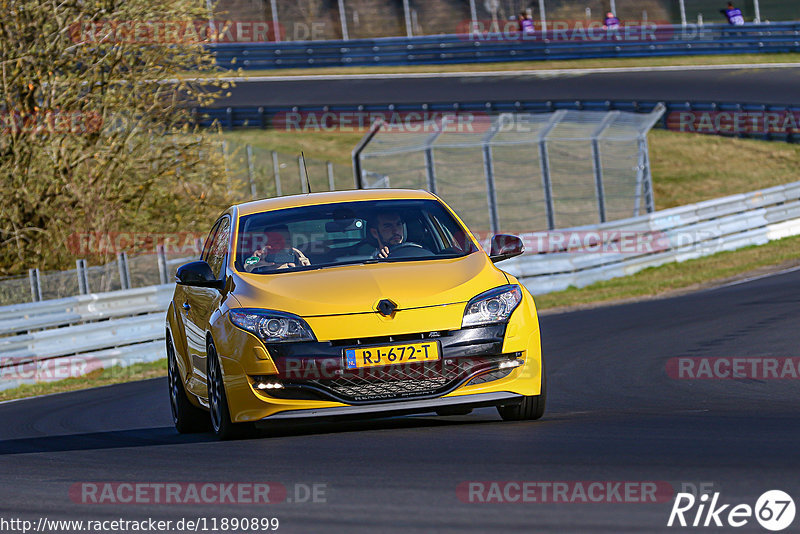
391 355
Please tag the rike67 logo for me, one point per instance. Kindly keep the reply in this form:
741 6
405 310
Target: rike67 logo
774 510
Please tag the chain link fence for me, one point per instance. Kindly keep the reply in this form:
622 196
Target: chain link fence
520 172
303 20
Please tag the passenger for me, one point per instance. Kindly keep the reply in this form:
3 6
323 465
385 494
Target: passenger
277 253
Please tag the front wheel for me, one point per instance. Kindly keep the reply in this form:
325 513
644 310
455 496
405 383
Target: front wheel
221 422
531 407
186 417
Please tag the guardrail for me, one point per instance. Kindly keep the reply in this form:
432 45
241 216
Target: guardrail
65 337
73 336
649 40
262 116
674 234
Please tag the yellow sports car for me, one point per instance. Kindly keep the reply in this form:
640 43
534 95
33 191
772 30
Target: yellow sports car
349 304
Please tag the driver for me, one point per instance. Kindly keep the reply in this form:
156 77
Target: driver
388 229
277 253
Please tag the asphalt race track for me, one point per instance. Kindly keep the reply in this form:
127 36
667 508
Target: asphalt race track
738 85
614 414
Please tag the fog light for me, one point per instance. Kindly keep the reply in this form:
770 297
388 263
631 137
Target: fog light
264 383
510 363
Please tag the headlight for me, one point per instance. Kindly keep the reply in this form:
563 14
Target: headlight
272 326
493 306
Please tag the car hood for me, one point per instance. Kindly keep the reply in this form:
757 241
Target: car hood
354 289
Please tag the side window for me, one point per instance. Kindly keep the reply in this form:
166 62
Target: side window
209 240
219 247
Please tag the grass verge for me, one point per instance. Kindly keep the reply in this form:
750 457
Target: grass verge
531 65
681 277
100 377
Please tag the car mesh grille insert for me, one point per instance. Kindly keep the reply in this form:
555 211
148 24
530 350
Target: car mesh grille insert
403 381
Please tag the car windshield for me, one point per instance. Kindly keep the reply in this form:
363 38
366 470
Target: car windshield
329 235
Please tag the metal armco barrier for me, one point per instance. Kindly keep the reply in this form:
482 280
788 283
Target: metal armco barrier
262 117
647 40
123 327
677 234
68 337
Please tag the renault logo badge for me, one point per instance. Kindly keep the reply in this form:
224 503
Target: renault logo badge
386 307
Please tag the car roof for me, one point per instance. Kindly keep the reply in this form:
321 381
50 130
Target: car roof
312 199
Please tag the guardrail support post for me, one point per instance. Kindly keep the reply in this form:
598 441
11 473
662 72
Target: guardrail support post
331 181
83 279
36 286
161 253
276 173
251 172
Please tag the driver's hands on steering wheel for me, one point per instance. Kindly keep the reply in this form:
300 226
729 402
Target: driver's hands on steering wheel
383 252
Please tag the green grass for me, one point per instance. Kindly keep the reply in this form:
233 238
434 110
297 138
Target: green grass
688 275
534 65
100 377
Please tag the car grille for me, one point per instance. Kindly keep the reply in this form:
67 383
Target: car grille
407 381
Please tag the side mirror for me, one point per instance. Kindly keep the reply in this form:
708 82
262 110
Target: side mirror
197 274
505 246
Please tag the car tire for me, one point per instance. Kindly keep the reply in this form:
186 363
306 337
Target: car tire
186 417
531 407
221 423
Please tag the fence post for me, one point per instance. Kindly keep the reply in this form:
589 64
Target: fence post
648 179
407 14
227 169
36 286
276 173
430 164
161 253
251 172
331 181
544 164
430 170
356 153
275 28
488 169
300 170
83 279
597 164
124 273
343 20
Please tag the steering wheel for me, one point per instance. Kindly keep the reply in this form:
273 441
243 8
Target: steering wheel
408 250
